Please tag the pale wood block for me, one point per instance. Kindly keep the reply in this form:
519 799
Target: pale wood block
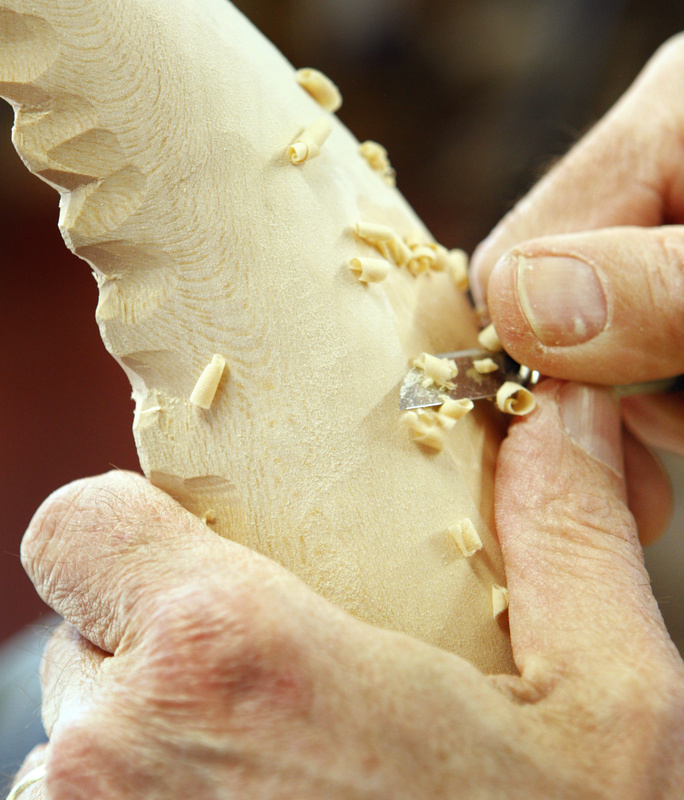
165 126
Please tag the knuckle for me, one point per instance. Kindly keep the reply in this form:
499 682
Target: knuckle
46 529
86 759
226 648
629 718
645 714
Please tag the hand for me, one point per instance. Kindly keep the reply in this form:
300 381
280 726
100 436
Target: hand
192 667
584 279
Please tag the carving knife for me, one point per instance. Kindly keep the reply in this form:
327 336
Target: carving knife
473 385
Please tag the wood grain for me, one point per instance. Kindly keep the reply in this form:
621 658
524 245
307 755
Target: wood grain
165 125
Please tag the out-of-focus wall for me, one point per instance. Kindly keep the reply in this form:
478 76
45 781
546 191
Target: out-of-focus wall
472 98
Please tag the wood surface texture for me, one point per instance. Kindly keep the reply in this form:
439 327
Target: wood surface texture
164 125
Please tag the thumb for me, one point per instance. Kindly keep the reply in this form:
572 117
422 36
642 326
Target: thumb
580 600
601 307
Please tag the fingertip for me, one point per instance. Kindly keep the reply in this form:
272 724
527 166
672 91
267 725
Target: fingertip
507 314
77 508
62 498
47 519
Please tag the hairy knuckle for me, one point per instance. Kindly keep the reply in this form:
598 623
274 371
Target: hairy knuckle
47 526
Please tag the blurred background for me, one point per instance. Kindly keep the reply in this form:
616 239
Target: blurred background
473 100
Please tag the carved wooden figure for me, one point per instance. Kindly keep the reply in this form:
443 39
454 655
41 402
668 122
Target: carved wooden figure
265 371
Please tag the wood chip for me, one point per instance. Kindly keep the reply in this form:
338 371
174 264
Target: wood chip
466 537
370 270
489 339
499 600
438 371
512 398
376 155
485 365
308 144
205 389
320 87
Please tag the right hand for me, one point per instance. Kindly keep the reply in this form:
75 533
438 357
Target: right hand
584 278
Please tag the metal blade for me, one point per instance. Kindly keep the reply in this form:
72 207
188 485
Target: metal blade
469 383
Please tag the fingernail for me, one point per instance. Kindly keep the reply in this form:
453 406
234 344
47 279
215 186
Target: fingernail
562 299
591 417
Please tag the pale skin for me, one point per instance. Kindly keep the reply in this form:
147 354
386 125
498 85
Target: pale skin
615 204
190 666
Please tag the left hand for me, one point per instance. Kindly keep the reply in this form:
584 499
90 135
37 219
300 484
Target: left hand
190 666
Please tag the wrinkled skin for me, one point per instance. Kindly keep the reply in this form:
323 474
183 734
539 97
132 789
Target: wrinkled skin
615 203
189 666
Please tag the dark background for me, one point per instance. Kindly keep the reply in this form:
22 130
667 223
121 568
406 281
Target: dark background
472 98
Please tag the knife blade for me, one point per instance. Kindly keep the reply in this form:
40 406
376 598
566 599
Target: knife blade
473 385
469 383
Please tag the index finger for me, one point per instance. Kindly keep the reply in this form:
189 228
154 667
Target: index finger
581 602
626 171
109 553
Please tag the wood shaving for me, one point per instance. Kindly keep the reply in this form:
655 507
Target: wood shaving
205 389
438 371
422 258
320 87
414 239
485 365
489 339
385 241
455 409
400 252
308 144
371 232
425 428
466 537
455 262
512 398
429 426
376 155
370 270
209 517
499 600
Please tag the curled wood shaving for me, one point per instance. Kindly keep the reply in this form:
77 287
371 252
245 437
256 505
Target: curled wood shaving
320 87
512 398
438 371
308 144
376 155
370 270
499 600
489 339
466 537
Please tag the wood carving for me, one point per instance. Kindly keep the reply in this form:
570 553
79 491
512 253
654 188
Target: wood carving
265 373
